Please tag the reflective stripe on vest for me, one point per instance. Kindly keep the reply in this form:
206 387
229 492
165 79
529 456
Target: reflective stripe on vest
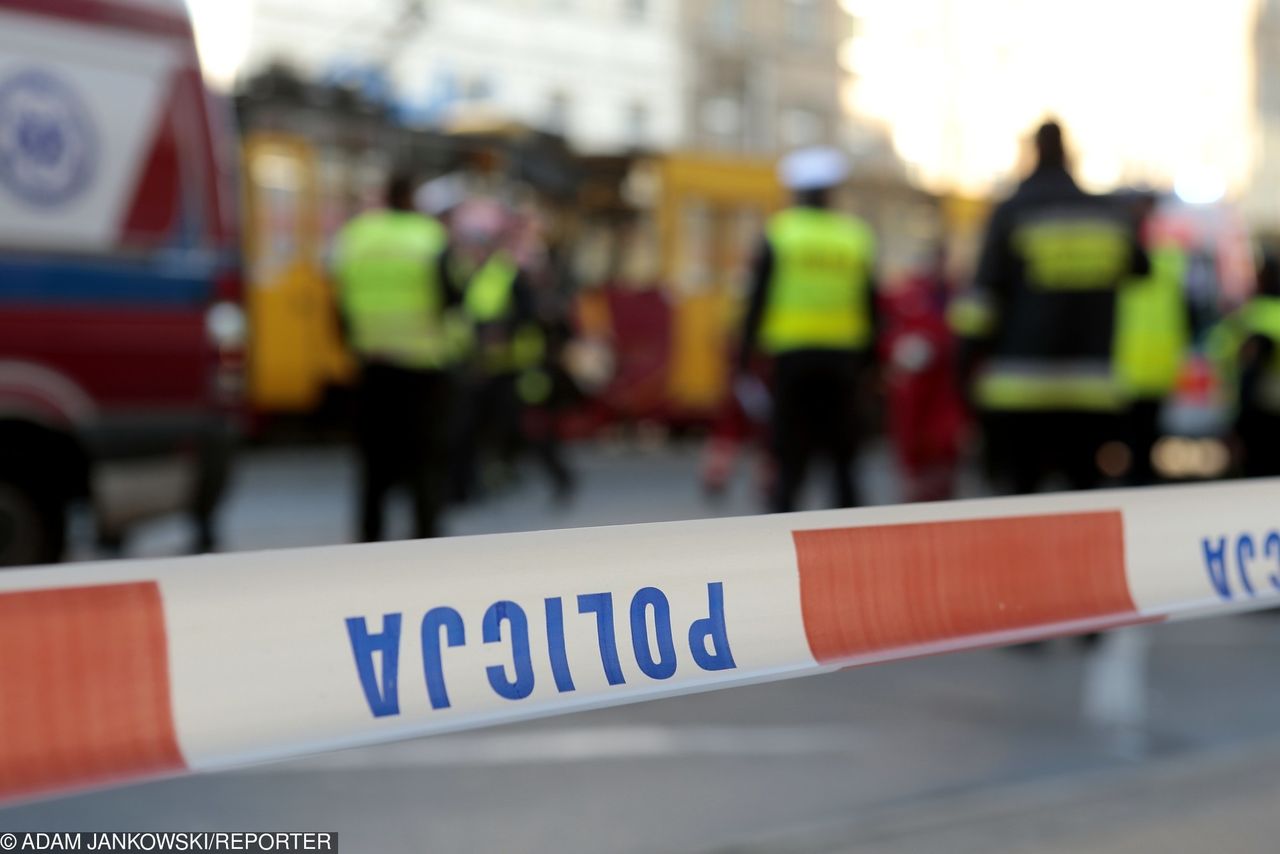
1152 332
389 290
818 295
1037 386
1073 254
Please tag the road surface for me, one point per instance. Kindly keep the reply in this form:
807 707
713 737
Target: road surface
1165 738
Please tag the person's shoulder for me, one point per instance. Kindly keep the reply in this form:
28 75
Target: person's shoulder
857 229
412 225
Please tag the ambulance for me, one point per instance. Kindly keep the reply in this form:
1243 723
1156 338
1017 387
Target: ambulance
121 330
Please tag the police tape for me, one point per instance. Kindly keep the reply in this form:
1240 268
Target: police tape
116 672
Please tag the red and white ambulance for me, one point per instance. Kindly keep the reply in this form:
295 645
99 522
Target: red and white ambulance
121 330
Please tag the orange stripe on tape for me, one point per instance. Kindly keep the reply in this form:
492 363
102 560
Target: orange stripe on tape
926 587
84 688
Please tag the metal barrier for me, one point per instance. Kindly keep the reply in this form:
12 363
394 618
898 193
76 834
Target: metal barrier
115 672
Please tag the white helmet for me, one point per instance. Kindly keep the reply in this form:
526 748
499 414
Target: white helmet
819 167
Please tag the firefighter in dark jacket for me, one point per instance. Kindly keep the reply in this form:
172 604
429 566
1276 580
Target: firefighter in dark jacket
1038 324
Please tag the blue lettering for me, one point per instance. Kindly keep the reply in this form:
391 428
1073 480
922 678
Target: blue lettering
521 685
1215 560
665 666
454 635
716 654
385 701
601 604
1271 548
1245 553
555 639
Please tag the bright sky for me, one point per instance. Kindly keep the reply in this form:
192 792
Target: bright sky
223 31
1149 90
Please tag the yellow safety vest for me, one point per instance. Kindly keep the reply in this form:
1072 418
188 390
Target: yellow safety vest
1152 331
819 293
489 299
489 292
390 292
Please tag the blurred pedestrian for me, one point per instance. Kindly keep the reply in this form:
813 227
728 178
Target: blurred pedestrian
1258 418
508 371
1038 324
395 299
1153 333
927 419
812 309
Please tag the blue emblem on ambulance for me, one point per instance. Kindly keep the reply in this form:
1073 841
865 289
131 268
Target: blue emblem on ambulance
48 144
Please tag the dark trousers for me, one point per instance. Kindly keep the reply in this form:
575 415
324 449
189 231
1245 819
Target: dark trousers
1259 432
1141 435
814 412
1025 448
489 421
402 434
541 433
493 419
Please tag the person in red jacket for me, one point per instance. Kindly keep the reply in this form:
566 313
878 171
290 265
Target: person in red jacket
927 421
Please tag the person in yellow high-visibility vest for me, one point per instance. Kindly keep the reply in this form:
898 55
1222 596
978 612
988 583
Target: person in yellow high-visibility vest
1153 332
398 310
1258 415
812 308
508 372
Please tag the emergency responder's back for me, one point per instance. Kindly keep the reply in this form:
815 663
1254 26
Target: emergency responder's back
1043 301
1039 324
391 295
1066 252
822 263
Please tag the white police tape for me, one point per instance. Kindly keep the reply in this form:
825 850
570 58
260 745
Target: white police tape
127 670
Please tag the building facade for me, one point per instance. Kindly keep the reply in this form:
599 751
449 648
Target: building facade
1262 202
744 76
604 73
762 76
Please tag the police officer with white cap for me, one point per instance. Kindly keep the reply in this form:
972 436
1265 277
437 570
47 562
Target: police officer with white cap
812 309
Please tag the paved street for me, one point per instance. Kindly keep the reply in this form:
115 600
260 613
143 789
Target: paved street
993 751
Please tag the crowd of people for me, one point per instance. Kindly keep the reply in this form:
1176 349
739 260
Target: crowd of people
1060 354
447 300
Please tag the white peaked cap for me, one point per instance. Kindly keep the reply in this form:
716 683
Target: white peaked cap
440 195
814 168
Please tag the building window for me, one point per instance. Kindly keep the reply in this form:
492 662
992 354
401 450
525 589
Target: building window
557 115
635 10
803 20
799 127
721 117
726 18
637 124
